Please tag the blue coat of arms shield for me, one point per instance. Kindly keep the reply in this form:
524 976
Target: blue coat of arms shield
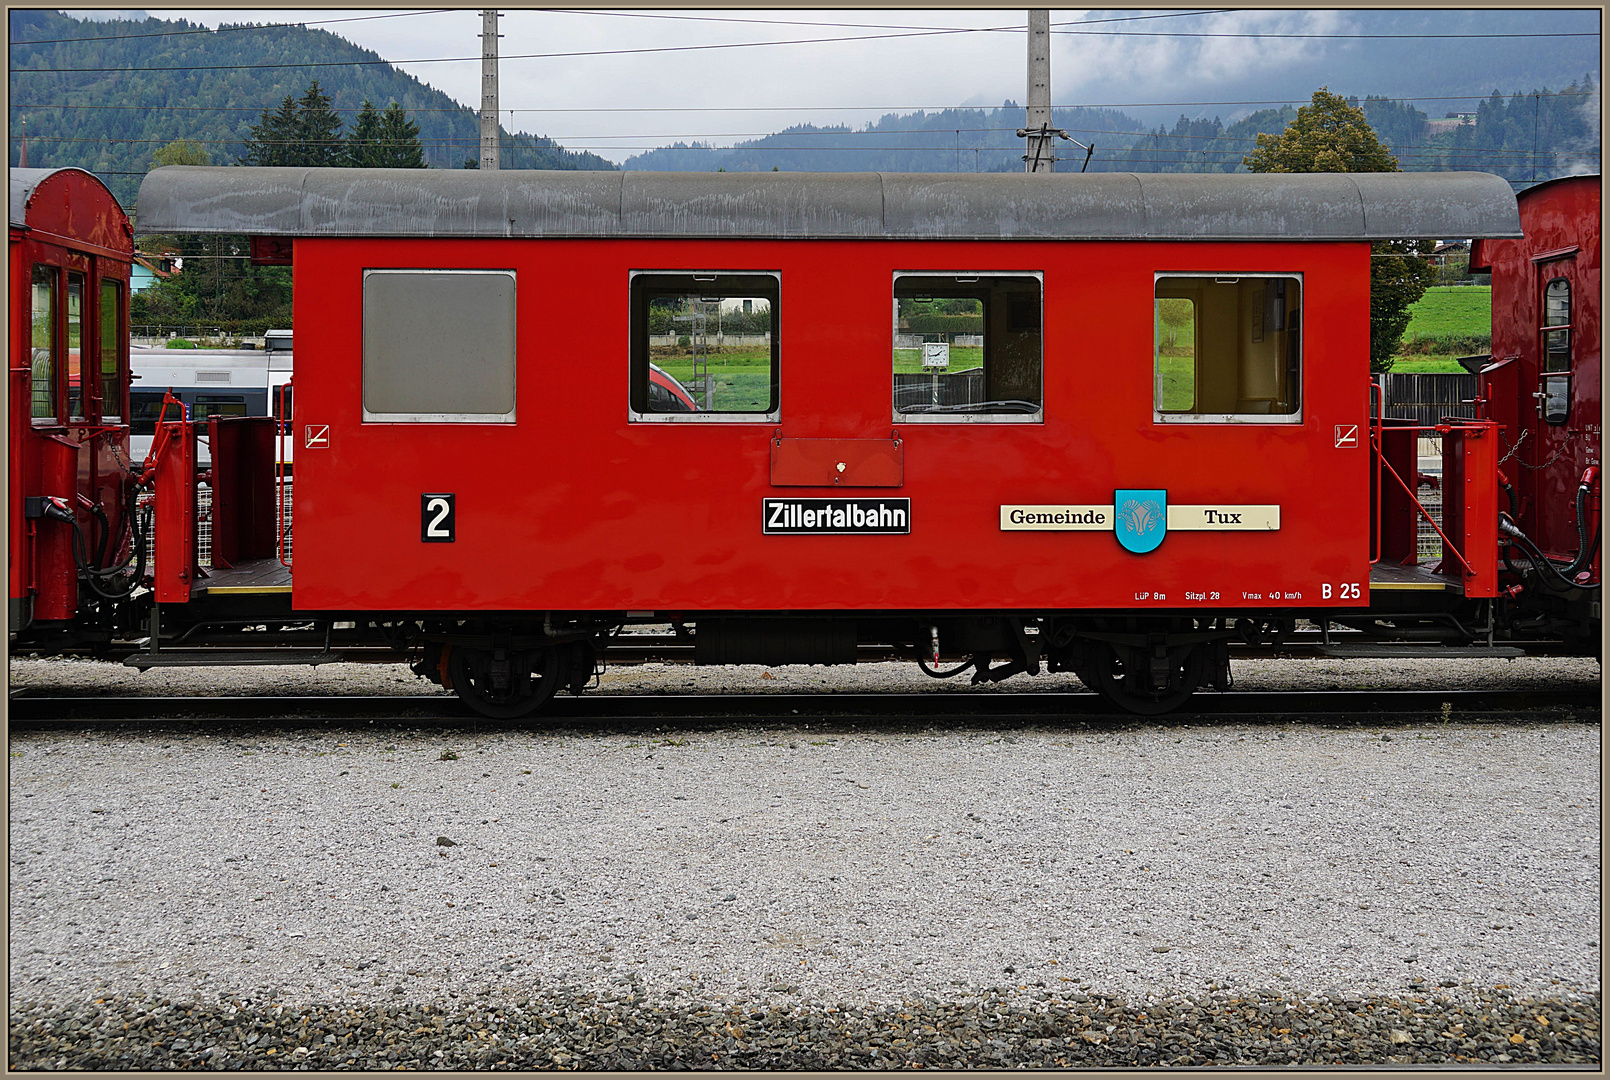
1140 518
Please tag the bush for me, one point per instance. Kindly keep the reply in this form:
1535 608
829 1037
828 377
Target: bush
1445 344
181 343
937 323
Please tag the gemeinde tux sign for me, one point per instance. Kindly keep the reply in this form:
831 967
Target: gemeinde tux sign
1182 518
1140 518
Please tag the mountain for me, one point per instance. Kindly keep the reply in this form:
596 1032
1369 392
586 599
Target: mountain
954 140
111 121
1524 137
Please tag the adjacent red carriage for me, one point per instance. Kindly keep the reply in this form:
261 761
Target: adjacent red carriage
1543 386
70 513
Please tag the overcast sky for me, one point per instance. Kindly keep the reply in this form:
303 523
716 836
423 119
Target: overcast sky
618 102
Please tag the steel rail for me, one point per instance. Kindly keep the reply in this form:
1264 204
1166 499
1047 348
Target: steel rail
631 649
956 707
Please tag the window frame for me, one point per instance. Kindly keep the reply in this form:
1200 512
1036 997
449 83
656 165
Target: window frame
81 279
137 422
1294 417
638 348
120 348
1562 328
899 417
369 416
54 315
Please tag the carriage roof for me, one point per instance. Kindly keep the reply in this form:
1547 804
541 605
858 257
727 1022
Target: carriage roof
332 202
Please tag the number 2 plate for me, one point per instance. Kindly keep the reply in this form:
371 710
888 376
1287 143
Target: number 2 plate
436 518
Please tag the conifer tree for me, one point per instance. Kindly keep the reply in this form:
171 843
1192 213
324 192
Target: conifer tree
272 141
399 140
363 149
318 129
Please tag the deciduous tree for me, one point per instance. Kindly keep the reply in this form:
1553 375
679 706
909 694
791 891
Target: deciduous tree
182 152
1329 135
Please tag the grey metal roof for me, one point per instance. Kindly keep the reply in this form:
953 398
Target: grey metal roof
531 203
23 183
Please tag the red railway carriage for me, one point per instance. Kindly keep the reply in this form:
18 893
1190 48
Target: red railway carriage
1102 421
1543 387
69 520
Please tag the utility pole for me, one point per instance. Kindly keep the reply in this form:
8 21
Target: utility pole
1042 156
489 89
1041 153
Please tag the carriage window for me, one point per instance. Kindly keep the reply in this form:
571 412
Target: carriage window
43 323
1557 313
1227 348
207 405
704 346
967 347
111 350
281 402
438 346
145 408
75 345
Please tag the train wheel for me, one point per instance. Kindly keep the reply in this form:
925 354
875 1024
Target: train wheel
1129 679
502 683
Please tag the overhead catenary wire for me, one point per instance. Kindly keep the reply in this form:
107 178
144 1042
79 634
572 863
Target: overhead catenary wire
245 27
1015 28
925 109
1401 152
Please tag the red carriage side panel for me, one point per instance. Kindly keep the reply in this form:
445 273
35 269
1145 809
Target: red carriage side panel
573 506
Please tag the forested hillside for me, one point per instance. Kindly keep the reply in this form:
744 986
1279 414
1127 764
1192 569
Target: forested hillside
1528 136
117 106
1523 137
955 140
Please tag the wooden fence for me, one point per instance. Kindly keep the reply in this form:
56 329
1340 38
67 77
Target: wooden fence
1426 399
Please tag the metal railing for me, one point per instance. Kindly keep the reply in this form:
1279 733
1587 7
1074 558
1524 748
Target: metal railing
204 523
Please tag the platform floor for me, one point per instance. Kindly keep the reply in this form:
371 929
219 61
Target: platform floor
253 576
1391 576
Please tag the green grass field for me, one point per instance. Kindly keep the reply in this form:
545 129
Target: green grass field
1176 382
1452 309
742 379
961 358
1448 315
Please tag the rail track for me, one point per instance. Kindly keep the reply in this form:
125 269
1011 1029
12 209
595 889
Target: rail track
639 647
691 710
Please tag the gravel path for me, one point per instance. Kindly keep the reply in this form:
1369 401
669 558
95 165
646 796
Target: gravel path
1017 897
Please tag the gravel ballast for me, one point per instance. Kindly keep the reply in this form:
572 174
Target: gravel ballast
1164 892
556 1031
